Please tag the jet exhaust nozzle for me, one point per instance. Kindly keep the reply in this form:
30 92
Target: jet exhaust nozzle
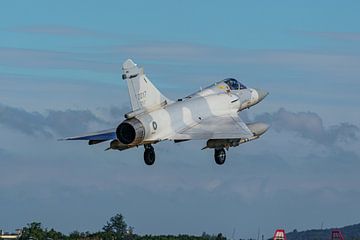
130 132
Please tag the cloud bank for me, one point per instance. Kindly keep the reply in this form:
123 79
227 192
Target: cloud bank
310 125
52 123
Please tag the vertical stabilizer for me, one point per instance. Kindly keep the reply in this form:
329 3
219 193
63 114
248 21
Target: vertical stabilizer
143 94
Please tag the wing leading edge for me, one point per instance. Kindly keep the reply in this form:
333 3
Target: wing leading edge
224 127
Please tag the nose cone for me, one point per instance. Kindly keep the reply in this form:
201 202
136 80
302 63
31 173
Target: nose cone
258 128
261 93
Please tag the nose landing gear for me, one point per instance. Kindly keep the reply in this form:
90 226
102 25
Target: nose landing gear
220 156
149 154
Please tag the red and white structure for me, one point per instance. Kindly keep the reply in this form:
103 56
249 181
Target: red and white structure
279 234
336 235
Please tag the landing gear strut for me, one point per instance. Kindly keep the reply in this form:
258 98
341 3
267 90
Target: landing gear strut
149 154
220 156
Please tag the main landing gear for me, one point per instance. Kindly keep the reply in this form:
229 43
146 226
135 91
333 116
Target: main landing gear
149 154
220 156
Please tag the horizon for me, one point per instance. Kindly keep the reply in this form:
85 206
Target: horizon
132 228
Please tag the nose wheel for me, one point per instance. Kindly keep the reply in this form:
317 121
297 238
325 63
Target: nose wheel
149 154
220 156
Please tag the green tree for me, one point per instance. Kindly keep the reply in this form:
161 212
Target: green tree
52 234
74 235
116 228
33 231
220 237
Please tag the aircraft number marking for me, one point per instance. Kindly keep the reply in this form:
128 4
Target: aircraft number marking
141 96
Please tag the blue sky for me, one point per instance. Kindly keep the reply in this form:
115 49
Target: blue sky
60 74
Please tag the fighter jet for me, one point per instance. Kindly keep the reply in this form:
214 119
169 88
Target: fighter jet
209 114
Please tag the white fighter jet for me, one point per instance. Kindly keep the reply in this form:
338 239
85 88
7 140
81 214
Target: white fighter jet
210 114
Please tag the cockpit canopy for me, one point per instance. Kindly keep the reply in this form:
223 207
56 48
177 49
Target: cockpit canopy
219 87
234 84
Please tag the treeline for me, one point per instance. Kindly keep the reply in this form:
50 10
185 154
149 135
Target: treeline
115 229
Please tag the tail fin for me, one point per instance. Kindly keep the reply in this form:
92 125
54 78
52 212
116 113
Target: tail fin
143 94
279 234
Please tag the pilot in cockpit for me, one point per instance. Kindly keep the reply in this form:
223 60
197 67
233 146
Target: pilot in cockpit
234 84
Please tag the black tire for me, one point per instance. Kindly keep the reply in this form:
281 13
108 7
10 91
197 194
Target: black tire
149 156
220 156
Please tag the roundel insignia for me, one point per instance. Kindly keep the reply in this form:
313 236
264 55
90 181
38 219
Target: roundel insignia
154 125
